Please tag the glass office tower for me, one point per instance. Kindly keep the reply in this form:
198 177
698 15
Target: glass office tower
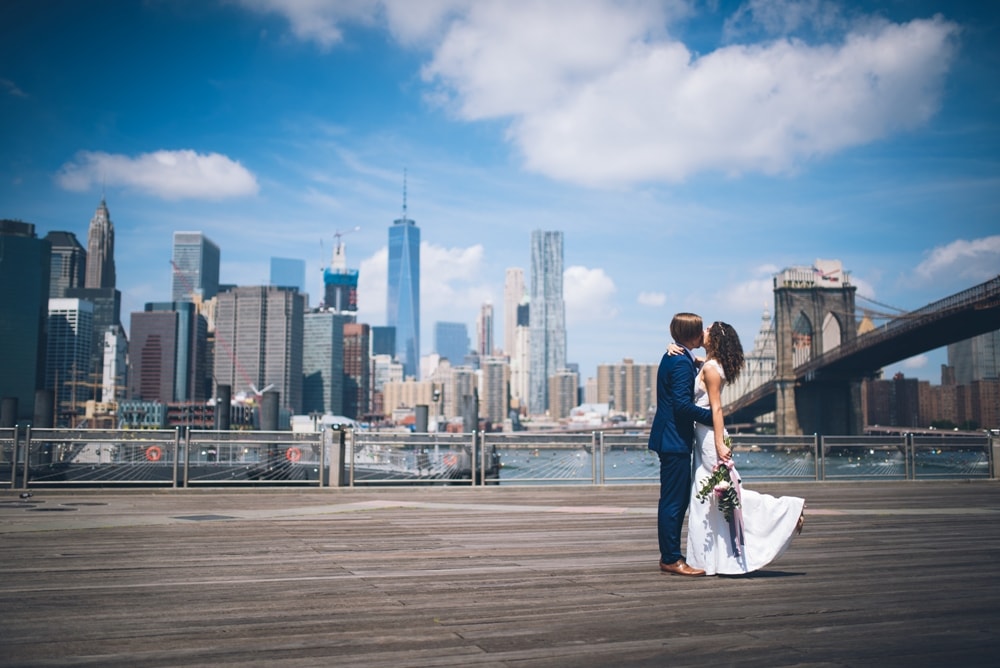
547 317
195 267
403 295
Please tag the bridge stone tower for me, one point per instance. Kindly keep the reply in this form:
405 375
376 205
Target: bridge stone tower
813 313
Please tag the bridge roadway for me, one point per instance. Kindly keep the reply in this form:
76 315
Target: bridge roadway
885 574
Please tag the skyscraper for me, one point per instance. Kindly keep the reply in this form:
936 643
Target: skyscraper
977 358
357 370
195 267
25 262
451 341
169 353
547 316
69 263
323 362
68 353
403 295
484 330
513 293
288 273
340 284
258 337
100 250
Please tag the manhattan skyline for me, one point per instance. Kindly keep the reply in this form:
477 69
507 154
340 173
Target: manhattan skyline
759 135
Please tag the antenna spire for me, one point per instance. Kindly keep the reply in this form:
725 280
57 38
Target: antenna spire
404 193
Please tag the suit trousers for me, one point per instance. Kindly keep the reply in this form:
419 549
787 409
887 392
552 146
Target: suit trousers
675 494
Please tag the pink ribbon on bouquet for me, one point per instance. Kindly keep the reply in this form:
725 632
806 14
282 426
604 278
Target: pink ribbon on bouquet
736 533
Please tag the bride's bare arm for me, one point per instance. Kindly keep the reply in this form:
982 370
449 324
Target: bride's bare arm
713 383
674 349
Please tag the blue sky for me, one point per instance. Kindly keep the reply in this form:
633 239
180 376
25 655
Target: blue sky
687 149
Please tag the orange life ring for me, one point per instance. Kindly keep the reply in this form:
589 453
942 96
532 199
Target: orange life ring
450 460
154 453
293 454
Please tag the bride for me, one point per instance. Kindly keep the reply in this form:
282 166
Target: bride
769 523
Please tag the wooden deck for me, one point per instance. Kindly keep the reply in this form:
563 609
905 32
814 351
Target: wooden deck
885 574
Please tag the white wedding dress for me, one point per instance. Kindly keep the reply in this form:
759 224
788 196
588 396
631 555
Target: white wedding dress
769 523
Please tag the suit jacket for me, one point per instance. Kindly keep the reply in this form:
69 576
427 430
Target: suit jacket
676 412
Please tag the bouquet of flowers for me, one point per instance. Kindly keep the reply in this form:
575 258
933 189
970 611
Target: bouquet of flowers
724 486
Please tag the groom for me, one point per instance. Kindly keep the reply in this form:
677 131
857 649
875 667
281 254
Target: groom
672 436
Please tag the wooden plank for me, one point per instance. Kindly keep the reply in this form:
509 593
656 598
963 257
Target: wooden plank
898 573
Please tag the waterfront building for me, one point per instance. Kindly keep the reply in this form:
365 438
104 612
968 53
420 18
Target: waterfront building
169 354
258 335
513 296
25 262
494 389
67 354
451 341
357 370
323 362
288 273
484 330
403 290
975 359
69 263
195 267
548 317
628 388
563 393
100 250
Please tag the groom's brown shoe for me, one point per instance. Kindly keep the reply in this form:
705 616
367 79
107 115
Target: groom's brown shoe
680 567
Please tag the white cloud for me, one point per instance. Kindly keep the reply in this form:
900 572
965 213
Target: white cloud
600 92
588 294
167 174
783 17
916 362
316 20
976 260
652 298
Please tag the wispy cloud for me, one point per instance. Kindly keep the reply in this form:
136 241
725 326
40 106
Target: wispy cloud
12 88
652 298
975 260
170 175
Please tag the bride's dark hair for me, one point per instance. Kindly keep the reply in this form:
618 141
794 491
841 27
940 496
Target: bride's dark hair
724 345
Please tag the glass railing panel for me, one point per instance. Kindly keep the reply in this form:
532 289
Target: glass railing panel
407 458
103 457
253 458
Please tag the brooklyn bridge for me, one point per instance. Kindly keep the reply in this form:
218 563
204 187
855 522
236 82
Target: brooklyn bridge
822 356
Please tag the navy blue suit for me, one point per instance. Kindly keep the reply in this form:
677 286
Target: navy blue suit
672 436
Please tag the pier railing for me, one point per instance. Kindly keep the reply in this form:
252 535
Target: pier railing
337 458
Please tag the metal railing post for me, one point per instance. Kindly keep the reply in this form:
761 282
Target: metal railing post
820 449
909 457
187 457
27 455
478 453
597 446
177 450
